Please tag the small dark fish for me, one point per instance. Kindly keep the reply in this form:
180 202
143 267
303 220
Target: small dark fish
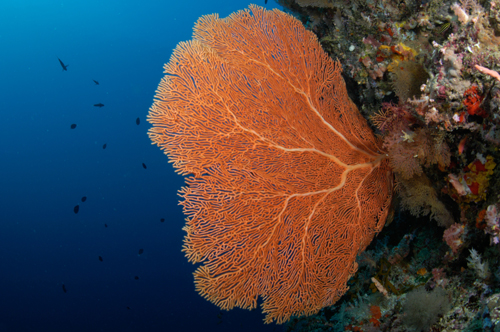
96 83
144 166
105 225
64 288
104 146
73 126
128 308
162 219
84 198
100 258
138 121
99 105
76 208
136 278
141 251
265 2
64 67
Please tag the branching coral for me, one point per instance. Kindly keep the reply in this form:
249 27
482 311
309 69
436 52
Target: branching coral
418 197
288 182
412 150
442 141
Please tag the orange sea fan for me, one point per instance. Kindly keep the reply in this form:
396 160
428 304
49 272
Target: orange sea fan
288 183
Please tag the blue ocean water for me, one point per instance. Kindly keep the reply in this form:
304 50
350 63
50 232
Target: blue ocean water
47 167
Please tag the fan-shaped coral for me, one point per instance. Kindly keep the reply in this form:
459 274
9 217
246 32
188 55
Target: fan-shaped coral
287 181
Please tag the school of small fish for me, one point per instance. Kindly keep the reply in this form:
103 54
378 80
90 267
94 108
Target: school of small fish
76 208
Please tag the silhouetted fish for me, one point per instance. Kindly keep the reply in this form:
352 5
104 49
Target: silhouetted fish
144 166
219 316
96 83
106 225
138 121
76 208
128 308
162 219
84 198
266 2
141 251
64 67
64 288
99 105
136 278
100 258
104 146
73 126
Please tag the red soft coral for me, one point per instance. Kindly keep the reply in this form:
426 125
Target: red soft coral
473 102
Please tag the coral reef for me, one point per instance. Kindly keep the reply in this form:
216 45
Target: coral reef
427 76
288 183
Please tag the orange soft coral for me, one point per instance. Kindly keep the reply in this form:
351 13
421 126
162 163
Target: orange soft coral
288 182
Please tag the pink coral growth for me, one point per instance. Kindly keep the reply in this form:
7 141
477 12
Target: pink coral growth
490 72
492 224
439 277
453 236
408 151
402 156
370 40
459 184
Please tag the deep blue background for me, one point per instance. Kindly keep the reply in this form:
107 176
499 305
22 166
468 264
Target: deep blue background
46 168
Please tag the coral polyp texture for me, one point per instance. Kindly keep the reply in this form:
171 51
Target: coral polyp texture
286 182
